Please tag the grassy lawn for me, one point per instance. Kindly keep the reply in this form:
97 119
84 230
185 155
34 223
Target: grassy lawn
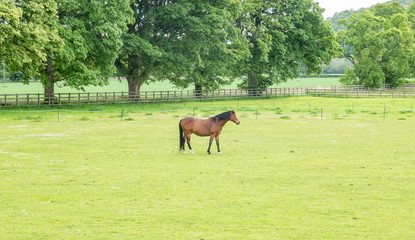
120 86
295 168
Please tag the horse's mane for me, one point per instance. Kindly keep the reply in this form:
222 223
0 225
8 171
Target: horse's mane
222 116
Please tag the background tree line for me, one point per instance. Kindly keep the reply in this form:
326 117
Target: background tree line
348 13
380 44
188 42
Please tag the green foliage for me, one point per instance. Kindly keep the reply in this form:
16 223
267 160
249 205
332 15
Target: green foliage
12 76
388 9
182 41
411 17
283 37
72 42
380 45
337 66
92 35
345 15
76 43
404 3
27 33
337 21
152 44
220 45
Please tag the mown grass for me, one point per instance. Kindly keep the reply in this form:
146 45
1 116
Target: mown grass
89 173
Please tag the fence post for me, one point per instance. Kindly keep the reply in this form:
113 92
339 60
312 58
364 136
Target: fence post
89 98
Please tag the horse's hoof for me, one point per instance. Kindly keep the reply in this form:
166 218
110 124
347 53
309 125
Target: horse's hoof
184 152
220 153
191 151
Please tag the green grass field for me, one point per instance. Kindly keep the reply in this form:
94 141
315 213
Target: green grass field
120 86
295 168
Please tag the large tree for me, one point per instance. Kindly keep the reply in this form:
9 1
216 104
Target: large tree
91 31
27 33
220 43
177 40
380 45
284 36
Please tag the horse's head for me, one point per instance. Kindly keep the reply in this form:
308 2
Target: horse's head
233 117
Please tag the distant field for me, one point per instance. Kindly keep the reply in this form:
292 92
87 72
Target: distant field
120 86
295 168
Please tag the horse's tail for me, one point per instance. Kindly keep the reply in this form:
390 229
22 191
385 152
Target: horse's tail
181 136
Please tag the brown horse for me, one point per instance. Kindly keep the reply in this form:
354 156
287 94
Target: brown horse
208 127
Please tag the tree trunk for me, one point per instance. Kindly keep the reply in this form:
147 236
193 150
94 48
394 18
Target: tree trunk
198 90
49 86
253 84
134 86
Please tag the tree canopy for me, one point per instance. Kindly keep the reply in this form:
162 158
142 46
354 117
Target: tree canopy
91 32
346 14
185 41
26 34
284 36
221 46
380 44
200 43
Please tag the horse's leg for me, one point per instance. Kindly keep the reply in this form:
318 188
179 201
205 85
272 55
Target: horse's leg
185 140
210 143
217 143
188 142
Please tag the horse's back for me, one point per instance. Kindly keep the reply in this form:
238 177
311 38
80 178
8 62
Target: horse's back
187 123
198 126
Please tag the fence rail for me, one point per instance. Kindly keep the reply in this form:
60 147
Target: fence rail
65 99
383 87
401 92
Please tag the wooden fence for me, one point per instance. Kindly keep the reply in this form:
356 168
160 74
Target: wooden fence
405 91
65 99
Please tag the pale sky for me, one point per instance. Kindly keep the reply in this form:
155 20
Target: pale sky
333 6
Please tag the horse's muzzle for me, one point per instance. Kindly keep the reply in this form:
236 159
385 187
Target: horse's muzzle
237 123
